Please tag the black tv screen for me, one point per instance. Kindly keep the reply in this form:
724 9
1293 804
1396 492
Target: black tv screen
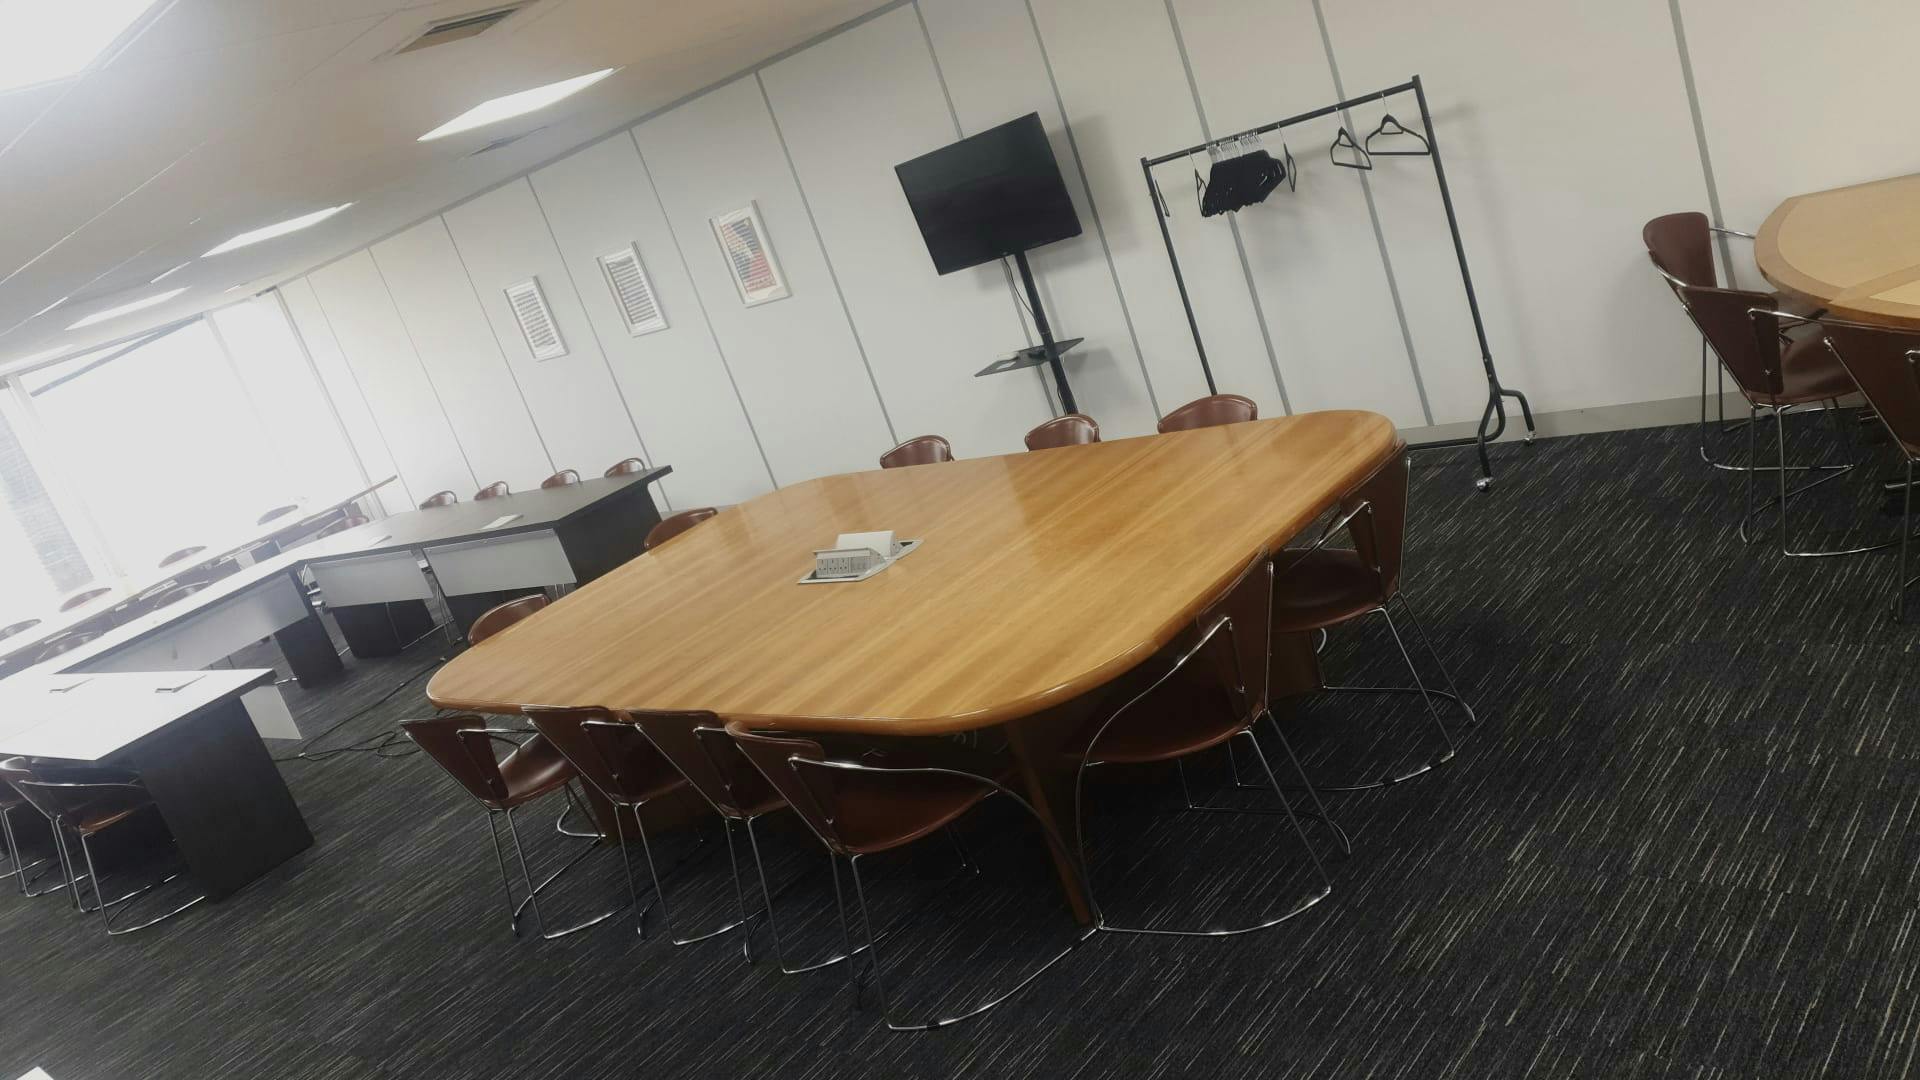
989 196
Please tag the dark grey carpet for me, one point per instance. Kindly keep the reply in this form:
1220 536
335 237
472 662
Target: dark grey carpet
1680 844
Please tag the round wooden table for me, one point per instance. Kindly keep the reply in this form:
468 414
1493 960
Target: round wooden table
1854 250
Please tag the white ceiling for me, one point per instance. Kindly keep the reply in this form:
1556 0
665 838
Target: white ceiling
219 116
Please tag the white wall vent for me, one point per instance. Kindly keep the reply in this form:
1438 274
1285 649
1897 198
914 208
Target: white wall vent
530 310
633 291
460 27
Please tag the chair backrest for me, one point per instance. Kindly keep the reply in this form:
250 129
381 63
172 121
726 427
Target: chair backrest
1073 429
1681 245
439 498
919 450
85 597
1379 529
770 752
674 524
1210 411
1885 364
1747 343
626 467
20 627
182 555
65 643
351 521
703 751
468 757
493 491
496 619
175 595
276 513
561 479
609 751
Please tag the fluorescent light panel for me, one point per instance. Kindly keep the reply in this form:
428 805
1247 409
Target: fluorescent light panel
165 274
269 232
512 105
128 309
48 41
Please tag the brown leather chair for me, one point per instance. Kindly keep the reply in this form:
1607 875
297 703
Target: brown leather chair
175 594
181 556
65 643
351 521
563 478
1320 587
493 491
468 750
919 450
611 753
85 803
1073 429
16 819
1208 688
674 524
496 619
626 467
84 597
866 799
1681 248
276 514
1774 372
1885 364
1210 411
438 499
20 627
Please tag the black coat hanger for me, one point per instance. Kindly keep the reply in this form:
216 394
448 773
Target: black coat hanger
1389 128
1344 141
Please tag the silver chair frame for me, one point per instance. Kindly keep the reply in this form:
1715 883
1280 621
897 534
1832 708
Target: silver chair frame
835 851
1902 582
1089 761
1427 696
18 869
101 903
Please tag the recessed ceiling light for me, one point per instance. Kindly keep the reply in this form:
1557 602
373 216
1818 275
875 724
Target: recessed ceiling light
268 232
128 309
512 105
49 307
52 41
165 274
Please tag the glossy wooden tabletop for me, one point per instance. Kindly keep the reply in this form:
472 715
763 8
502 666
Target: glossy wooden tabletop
1040 576
1853 250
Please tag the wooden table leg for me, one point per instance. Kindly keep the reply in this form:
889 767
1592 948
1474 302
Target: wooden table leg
1047 781
222 797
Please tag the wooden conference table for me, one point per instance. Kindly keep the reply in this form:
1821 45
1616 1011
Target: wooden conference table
1040 578
1854 251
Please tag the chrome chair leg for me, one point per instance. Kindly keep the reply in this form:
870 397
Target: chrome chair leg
105 906
659 888
15 860
533 891
1781 499
1900 582
773 925
1452 691
1427 696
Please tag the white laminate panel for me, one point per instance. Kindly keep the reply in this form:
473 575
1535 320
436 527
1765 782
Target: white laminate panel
215 633
371 579
268 710
343 391
529 560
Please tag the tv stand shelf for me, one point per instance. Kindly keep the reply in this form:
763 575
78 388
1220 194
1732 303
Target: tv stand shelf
1027 358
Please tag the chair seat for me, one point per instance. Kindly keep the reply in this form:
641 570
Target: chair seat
1197 714
533 770
1321 589
1810 372
876 814
106 813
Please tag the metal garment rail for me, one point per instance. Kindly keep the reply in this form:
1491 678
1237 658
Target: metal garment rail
1496 409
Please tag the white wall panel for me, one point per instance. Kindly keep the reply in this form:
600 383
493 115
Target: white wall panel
344 392
1316 262
675 380
397 390
995 71
1824 103
286 392
851 108
1565 128
1127 97
503 238
796 360
450 334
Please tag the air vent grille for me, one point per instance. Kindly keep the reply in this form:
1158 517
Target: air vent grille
459 28
530 310
633 291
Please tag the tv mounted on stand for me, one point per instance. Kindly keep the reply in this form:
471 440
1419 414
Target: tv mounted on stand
993 195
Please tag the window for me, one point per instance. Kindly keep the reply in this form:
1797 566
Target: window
40 559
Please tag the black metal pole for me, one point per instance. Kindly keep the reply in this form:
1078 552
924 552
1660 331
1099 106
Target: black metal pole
1453 225
1046 332
1179 279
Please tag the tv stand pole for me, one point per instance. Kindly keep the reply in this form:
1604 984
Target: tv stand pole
1046 333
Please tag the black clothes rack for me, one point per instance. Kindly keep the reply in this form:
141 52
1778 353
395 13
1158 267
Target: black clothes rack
1496 410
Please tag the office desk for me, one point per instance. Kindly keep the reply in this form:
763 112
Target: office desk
1040 578
1854 250
373 581
209 774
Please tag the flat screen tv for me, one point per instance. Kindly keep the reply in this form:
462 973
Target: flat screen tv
988 196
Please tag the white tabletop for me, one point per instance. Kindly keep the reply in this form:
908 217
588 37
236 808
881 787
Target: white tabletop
87 717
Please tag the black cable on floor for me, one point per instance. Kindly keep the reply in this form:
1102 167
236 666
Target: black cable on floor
378 744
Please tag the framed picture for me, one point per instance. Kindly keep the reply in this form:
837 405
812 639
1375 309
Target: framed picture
749 254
